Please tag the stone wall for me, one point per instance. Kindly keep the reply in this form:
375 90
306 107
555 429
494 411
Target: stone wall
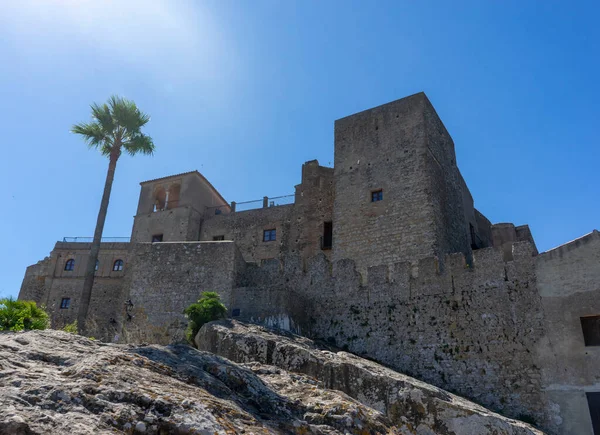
176 225
471 330
569 284
164 278
401 148
33 287
313 207
246 229
444 182
299 226
48 283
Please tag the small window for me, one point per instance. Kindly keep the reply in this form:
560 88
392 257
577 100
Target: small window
591 330
377 195
593 399
235 312
217 238
97 265
157 238
473 236
327 238
269 235
65 303
70 264
118 266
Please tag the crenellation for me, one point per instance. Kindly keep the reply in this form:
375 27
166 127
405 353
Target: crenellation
378 275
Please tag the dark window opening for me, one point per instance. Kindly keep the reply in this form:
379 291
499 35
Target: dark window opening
235 312
591 330
327 238
473 237
97 265
594 405
377 195
217 238
269 235
65 303
70 264
157 238
118 266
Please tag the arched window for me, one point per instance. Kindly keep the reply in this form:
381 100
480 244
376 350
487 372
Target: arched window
160 199
118 265
70 264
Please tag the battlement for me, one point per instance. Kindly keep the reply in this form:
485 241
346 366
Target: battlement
427 276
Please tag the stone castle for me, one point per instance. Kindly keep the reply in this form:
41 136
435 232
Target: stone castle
383 255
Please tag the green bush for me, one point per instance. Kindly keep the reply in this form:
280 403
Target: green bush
208 308
18 315
71 328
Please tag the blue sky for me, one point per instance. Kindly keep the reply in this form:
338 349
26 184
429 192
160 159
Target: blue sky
246 91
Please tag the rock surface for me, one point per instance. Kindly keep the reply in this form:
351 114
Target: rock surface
54 382
410 406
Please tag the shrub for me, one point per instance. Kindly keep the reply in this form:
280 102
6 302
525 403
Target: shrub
71 328
208 308
18 315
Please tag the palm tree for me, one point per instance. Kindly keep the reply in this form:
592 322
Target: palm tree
115 126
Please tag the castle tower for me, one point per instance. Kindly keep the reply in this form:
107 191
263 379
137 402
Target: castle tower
398 194
171 209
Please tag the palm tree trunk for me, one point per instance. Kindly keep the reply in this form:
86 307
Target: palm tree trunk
88 283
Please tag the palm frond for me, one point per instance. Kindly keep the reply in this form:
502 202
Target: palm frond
116 123
101 113
92 133
139 144
127 115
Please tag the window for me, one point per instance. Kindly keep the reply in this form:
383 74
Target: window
97 265
473 236
118 266
157 238
235 312
327 238
269 235
216 238
591 330
65 303
594 405
70 264
377 195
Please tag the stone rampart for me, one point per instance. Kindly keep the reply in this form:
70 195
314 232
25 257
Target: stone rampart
467 328
164 278
33 287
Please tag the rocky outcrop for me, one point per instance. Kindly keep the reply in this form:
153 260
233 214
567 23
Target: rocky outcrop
52 382
410 406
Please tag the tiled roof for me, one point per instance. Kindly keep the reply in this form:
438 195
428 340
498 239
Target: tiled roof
170 176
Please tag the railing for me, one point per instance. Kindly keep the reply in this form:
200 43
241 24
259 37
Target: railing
266 202
91 239
249 205
281 200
